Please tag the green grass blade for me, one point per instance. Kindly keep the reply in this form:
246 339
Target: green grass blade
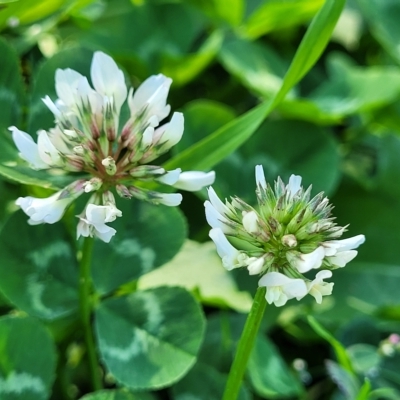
214 148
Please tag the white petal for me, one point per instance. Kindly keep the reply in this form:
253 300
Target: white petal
215 219
294 184
170 178
151 96
170 199
256 266
260 177
306 262
106 235
173 134
193 181
108 79
44 210
281 288
274 279
52 107
28 148
66 86
47 151
250 222
332 246
317 288
216 202
342 258
230 256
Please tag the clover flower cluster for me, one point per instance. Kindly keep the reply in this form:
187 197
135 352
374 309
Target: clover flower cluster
289 235
88 138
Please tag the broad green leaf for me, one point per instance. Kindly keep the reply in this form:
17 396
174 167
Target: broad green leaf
347 382
117 394
365 358
268 373
278 15
353 89
150 338
221 10
204 382
198 268
340 351
147 237
38 269
383 17
277 147
11 88
184 68
374 288
214 148
372 212
256 65
28 359
384 393
141 35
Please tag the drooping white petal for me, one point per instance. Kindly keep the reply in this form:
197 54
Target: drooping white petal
305 262
231 257
44 210
28 148
193 181
170 178
340 259
47 151
281 288
294 185
108 79
260 177
151 97
333 246
255 266
318 288
169 199
92 222
86 229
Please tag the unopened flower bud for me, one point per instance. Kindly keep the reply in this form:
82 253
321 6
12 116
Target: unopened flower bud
92 185
146 170
123 191
79 150
289 240
110 166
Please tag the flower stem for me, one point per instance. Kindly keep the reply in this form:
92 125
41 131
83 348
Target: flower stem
85 308
245 346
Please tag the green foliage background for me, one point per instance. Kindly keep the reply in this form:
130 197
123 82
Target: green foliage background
259 82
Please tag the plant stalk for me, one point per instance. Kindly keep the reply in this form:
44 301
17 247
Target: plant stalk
245 346
85 308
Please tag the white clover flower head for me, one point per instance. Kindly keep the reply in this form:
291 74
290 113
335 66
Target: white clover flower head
88 138
288 235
